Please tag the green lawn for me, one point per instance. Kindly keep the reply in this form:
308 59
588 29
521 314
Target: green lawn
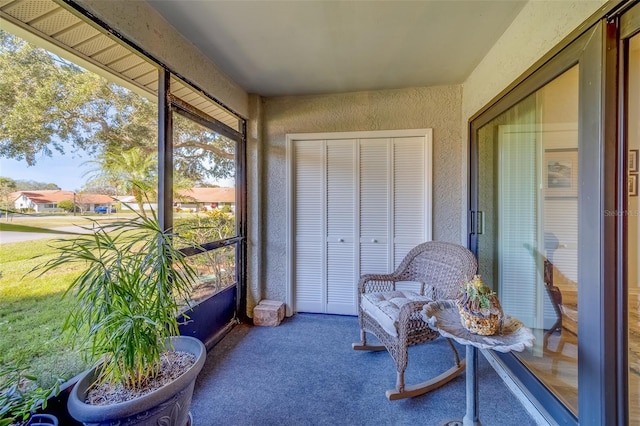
32 312
24 228
32 307
53 221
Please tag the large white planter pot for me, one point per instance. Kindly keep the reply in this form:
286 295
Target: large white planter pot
167 406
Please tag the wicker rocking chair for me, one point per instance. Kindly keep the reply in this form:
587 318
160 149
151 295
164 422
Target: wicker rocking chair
394 317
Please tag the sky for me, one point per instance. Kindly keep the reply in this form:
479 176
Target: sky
69 172
65 171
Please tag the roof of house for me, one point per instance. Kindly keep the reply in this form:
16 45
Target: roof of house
199 195
207 195
93 198
49 196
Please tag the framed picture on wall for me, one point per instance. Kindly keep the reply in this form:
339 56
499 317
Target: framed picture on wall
633 185
561 172
633 161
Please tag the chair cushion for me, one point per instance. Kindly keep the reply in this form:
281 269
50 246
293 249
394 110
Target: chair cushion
569 312
385 307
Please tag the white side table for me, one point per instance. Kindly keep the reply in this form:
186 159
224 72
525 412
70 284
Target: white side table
444 317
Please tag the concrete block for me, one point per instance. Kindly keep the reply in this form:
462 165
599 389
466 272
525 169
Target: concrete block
268 313
278 305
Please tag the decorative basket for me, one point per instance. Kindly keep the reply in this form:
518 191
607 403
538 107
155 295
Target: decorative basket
479 324
479 307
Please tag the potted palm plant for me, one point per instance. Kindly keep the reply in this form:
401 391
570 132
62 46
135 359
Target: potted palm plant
133 285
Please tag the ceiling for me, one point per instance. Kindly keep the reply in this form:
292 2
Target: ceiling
274 48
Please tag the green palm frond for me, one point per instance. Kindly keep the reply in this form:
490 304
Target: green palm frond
129 294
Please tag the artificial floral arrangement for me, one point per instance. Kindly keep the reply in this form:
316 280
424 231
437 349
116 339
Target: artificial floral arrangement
479 307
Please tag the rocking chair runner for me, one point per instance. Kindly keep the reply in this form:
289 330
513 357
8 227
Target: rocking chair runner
394 316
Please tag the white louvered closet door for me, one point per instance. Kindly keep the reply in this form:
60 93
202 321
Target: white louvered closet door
359 205
375 208
341 223
409 196
309 219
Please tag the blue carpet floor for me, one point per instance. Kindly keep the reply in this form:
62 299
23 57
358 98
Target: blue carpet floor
304 372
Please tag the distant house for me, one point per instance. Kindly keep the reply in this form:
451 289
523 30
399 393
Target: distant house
194 199
128 202
199 199
43 201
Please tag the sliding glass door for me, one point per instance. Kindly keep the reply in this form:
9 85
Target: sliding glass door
555 221
536 225
633 138
630 51
528 172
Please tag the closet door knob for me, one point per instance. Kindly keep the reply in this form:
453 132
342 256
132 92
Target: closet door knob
374 240
341 240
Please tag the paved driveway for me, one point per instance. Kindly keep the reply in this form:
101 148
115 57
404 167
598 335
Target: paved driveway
16 237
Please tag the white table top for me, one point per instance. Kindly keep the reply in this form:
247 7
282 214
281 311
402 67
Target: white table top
444 317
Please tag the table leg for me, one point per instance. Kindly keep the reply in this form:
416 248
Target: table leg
471 418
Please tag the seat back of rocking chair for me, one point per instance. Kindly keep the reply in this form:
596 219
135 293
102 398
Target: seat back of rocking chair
440 266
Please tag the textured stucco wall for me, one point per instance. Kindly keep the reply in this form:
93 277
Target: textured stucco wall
254 201
145 27
539 27
432 107
536 30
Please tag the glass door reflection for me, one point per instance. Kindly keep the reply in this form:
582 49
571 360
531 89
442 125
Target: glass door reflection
528 250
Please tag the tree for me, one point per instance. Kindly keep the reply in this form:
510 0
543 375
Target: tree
199 153
99 187
66 205
32 185
7 186
42 99
130 172
47 102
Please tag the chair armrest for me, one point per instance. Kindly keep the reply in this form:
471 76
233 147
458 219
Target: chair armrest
370 283
410 318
